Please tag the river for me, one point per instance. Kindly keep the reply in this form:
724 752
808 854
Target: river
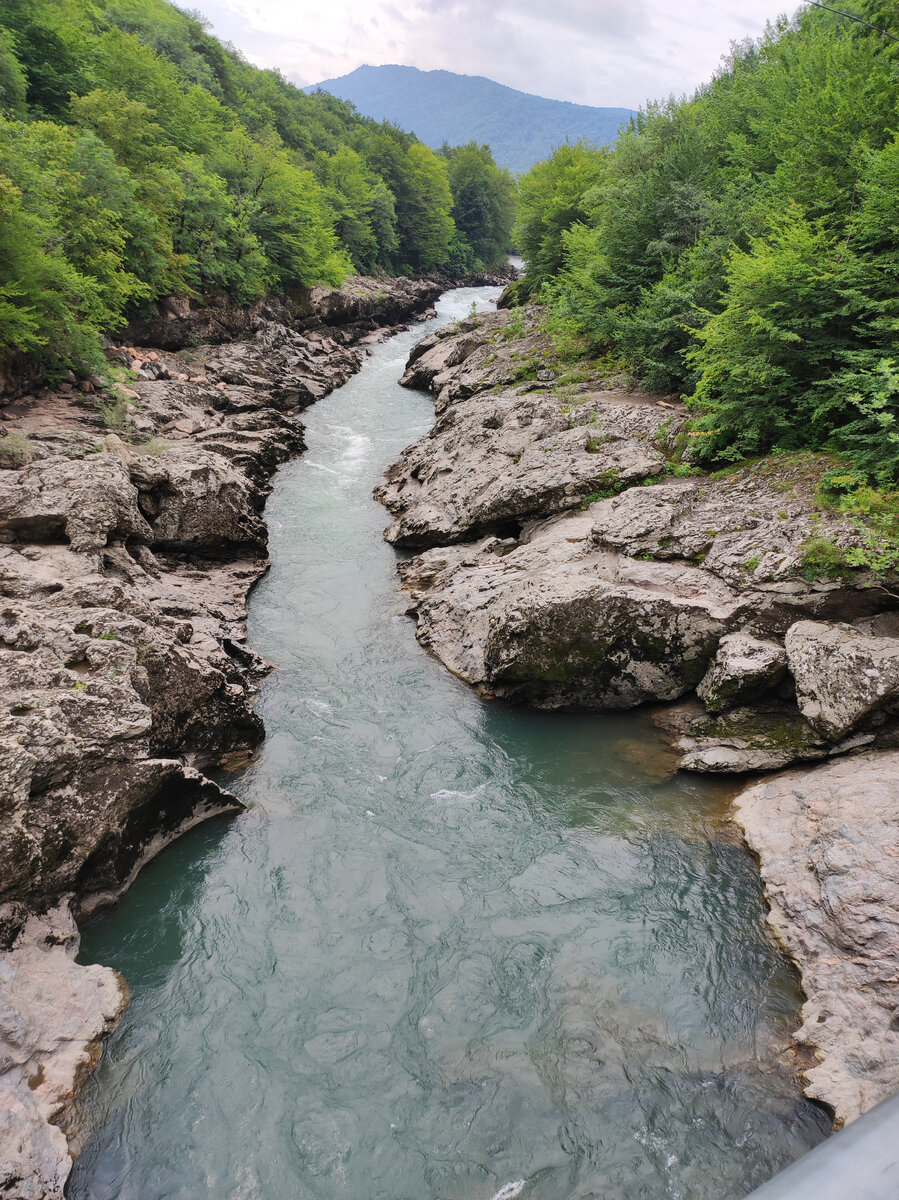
451 945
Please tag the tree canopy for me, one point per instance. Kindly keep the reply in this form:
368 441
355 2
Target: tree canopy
741 246
140 157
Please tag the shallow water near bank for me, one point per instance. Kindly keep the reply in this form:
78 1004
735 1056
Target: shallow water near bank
452 945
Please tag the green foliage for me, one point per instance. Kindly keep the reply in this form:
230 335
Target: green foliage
15 450
364 207
742 246
140 157
484 202
554 197
13 80
875 514
822 558
610 484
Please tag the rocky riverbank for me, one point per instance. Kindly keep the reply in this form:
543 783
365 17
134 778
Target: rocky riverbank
131 531
570 557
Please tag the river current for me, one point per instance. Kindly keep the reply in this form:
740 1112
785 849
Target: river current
452 947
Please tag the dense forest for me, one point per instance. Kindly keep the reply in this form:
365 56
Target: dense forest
741 247
141 157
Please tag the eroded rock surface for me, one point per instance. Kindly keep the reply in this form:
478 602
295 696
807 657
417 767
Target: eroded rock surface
827 843
131 530
842 674
743 669
631 593
689 589
54 1016
491 461
560 622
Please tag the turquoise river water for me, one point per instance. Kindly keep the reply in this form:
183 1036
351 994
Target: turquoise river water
451 947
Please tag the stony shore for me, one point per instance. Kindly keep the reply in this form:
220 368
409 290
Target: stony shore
131 531
569 558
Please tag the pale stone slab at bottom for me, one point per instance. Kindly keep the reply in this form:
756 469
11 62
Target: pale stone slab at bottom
827 839
54 1015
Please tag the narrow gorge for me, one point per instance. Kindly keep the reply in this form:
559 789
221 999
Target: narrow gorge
447 942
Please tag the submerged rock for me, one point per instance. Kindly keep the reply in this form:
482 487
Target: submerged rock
826 840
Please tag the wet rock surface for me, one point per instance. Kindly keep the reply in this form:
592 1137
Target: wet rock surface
571 561
131 530
827 843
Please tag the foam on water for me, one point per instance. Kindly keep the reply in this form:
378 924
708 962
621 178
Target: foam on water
510 1190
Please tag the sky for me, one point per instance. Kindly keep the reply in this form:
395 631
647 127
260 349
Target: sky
602 52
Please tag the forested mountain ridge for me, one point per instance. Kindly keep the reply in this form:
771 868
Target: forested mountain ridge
140 157
741 248
441 106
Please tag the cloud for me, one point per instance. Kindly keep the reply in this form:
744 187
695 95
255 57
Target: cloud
604 52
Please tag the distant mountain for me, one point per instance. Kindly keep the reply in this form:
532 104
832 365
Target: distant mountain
440 106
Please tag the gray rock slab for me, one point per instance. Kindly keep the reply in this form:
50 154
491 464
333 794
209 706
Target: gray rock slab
827 840
54 1016
842 674
743 669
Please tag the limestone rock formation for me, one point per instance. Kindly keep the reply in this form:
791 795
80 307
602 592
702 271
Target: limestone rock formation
842 674
131 530
827 843
743 668
54 1015
561 623
518 454
360 302
572 587
627 594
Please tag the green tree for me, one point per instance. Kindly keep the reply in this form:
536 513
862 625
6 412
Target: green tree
554 196
363 208
484 201
13 80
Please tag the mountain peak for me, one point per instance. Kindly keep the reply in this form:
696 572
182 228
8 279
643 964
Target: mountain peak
442 106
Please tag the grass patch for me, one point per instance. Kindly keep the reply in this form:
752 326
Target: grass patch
875 514
610 484
153 445
15 450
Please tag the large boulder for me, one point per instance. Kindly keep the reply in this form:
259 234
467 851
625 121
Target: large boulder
87 502
559 623
826 841
743 669
510 456
842 674
205 503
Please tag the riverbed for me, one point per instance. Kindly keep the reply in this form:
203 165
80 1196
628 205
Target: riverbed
451 945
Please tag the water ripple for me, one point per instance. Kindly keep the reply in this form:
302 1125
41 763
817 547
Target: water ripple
453 951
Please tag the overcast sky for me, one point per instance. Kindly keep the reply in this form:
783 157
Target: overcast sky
604 52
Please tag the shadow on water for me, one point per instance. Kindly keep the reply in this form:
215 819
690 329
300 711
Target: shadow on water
451 945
